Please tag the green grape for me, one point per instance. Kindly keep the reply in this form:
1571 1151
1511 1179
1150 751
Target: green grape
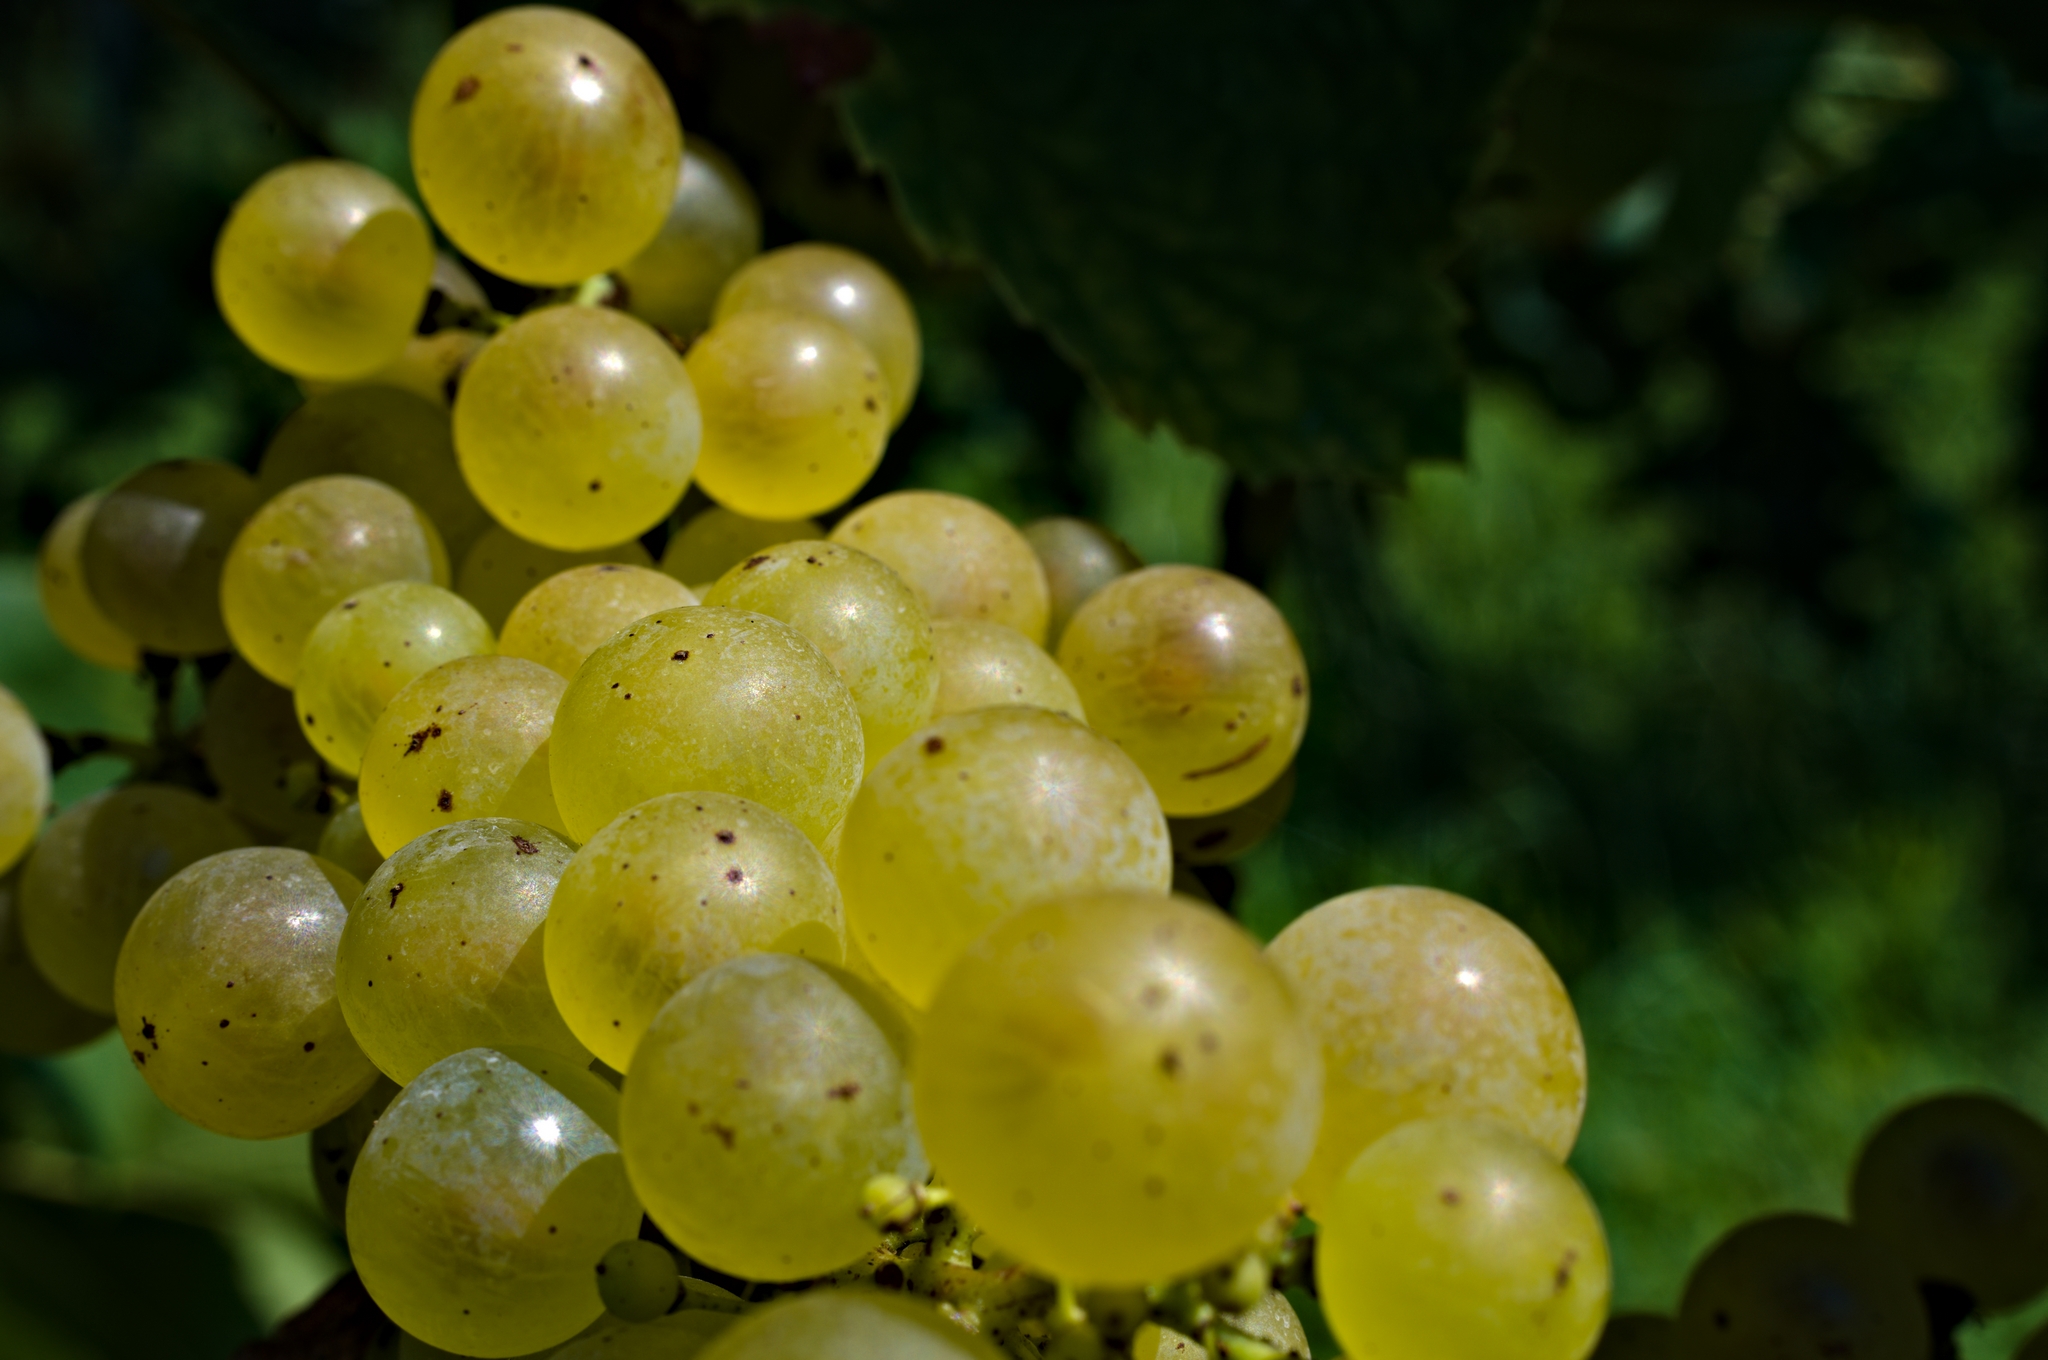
1637 1336
637 1280
154 549
861 615
24 779
713 227
1430 1005
962 558
796 413
97 863
366 649
862 968
578 427
225 994
1235 832
451 925
1272 1320
986 665
979 814
322 269
545 145
679 1336
1462 1240
842 1324
1117 1086
485 1198
715 539
675 886
335 1146
1080 557
467 739
1957 1187
268 773
842 286
75 617
1799 1284
721 701
565 618
502 567
1195 674
35 1018
346 841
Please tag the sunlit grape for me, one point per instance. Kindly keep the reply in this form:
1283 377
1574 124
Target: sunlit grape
346 841
848 1325
713 227
962 558
75 617
984 665
1235 832
333 1148
842 286
35 1018
716 540
1079 558
571 614
637 1280
24 779
1800 1284
154 550
502 567
267 771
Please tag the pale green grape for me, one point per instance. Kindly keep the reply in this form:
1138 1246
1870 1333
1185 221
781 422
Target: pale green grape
986 665
861 615
322 269
1080 557
1637 1336
981 813
577 427
715 539
346 841
861 967
1461 1240
75 617
35 1018
1235 832
679 1336
962 558
565 618
675 886
713 227
268 773
1117 1087
335 1146
24 779
485 1198
154 549
366 649
796 413
842 1324
1272 1320
842 286
96 864
502 567
1195 674
467 739
450 926
637 1280
708 699
1799 1284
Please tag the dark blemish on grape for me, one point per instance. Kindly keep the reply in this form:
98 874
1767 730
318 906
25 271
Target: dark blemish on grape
446 802
396 889
615 1024
753 562
742 1084
310 720
515 47
1297 687
721 1133
148 1029
466 88
1451 1198
1169 1061
309 1046
844 1091
596 485
585 62
141 1058
934 745
735 876
1562 1280
629 696
1207 1041
814 561
869 403
615 684
551 1228
691 1108
889 1275
350 604
724 837
523 846
1720 1319
1209 840
1250 754
680 656
421 737
223 1024
1155 1186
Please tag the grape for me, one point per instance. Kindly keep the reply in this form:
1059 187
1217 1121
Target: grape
97 863
675 886
335 1146
844 1325
721 701
467 739
1957 1187
451 925
1637 1336
841 286
981 813
962 558
637 1280
322 269
154 550
1799 1284
713 227
267 771
716 539
861 968
796 413
565 618
75 617
985 665
24 779
502 567
225 994
34 1017
1079 558
1430 1005
1197 676
1462 1240
861 615
1235 832
485 1198
1118 1087
679 1336
346 842
369 647
1272 1320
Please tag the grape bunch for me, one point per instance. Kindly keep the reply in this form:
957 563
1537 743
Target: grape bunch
768 950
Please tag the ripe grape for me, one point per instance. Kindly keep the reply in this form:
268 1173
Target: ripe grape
985 665
502 567
1272 1320
979 814
24 779
713 227
75 617
1430 1005
565 618
846 1325
841 286
1459 1239
675 886
679 1336
962 558
1637 1336
154 550
1799 1284
1235 832
637 1280
268 773
335 1146
35 1018
346 842
1080 558
1118 1087
484 1199
322 269
225 994
715 539
1195 674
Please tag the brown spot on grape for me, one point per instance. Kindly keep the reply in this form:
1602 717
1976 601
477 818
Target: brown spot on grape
1245 757
140 1057
466 88
734 875
148 1029
680 656
1297 687
523 846
223 1024
1155 1186
446 802
1451 1198
1562 1280
721 1133
596 484
1169 1061
396 889
844 1091
725 837
869 403
751 563
934 745
308 1046
421 738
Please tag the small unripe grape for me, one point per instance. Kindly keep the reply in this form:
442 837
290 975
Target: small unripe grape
75 617
848 1325
24 779
1235 832
842 286
963 559
715 540
986 665
1079 558
565 618
637 1280
713 227
502 567
1799 1284
35 1018
346 841
154 550
268 773
334 1147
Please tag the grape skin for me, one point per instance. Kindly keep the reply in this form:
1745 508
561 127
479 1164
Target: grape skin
154 549
346 842
1222 837
846 1325
712 228
35 1018
498 571
565 618
75 617
268 773
637 1280
841 286
334 1147
1080 557
716 539
985 665
963 559
1802 1284
24 779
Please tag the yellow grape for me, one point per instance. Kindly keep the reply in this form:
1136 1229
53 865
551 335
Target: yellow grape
154 550
796 413
268 773
842 286
24 779
978 815
1080 558
679 1336
1637 1336
984 665
1195 674
1462 1240
845 1324
334 1147
962 558
75 617
429 369
577 427
323 268
35 1018
1800 1284
498 571
571 614
676 886
712 228
1235 832
715 539
1118 1087
346 841
858 964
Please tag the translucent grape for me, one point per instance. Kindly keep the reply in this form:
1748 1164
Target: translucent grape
713 227
485 1198
35 1018
1080 557
707 699
842 286
502 567
346 841
846 1325
1430 1005
1235 832
1458 1239
1637 1336
796 412
861 615
1117 1087
679 1336
637 1280
862 968
963 559
75 617
565 618
979 814
1799 1284
1272 1320
335 1146
715 540
24 779
154 550
675 886
322 269
225 994
985 665
268 773
97 863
